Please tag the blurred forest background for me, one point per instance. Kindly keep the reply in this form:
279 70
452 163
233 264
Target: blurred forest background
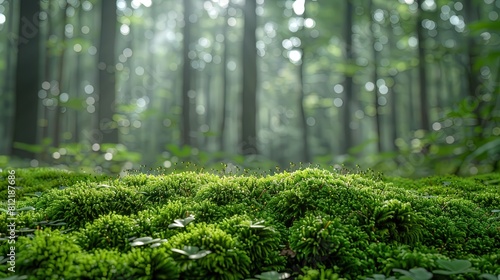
406 87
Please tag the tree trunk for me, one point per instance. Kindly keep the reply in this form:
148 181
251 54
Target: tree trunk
27 79
222 128
306 156
249 91
7 92
375 79
107 73
348 83
58 114
422 78
186 77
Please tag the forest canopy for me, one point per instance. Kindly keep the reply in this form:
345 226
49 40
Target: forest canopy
407 87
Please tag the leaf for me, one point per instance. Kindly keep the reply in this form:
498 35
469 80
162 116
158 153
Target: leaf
179 223
453 267
273 275
415 273
192 252
199 255
37 194
176 225
257 224
490 276
142 239
137 243
27 208
488 147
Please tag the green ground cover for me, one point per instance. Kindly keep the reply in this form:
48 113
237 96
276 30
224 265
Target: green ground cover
306 224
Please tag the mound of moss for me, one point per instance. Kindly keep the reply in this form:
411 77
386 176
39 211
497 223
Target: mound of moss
305 224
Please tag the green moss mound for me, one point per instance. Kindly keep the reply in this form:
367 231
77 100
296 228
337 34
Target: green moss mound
306 224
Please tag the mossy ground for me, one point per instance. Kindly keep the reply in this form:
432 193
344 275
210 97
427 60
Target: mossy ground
309 223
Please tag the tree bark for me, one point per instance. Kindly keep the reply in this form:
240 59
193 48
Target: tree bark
225 54
249 91
27 79
349 82
422 69
107 73
374 79
186 77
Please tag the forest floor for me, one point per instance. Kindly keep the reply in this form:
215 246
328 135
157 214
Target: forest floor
305 224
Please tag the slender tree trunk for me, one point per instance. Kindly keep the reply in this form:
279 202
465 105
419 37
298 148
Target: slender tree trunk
58 114
27 79
348 83
393 98
208 109
306 157
422 69
7 92
222 128
186 77
107 73
375 79
249 91
78 83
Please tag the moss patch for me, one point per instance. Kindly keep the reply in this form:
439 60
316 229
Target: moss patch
303 223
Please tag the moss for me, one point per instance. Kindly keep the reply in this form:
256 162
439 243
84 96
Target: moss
33 180
368 224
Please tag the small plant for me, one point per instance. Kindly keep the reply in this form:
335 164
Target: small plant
271 275
414 273
192 252
318 239
495 211
318 274
225 260
146 241
108 231
47 255
150 264
454 267
398 222
180 223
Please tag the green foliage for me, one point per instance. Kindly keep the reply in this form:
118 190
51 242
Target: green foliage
100 264
111 231
161 189
235 227
450 267
313 189
260 242
320 241
141 241
318 274
398 221
222 193
41 180
150 264
49 255
209 212
83 203
155 221
225 260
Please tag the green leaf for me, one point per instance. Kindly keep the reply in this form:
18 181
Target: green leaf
192 252
27 208
143 239
453 267
415 273
490 276
257 224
